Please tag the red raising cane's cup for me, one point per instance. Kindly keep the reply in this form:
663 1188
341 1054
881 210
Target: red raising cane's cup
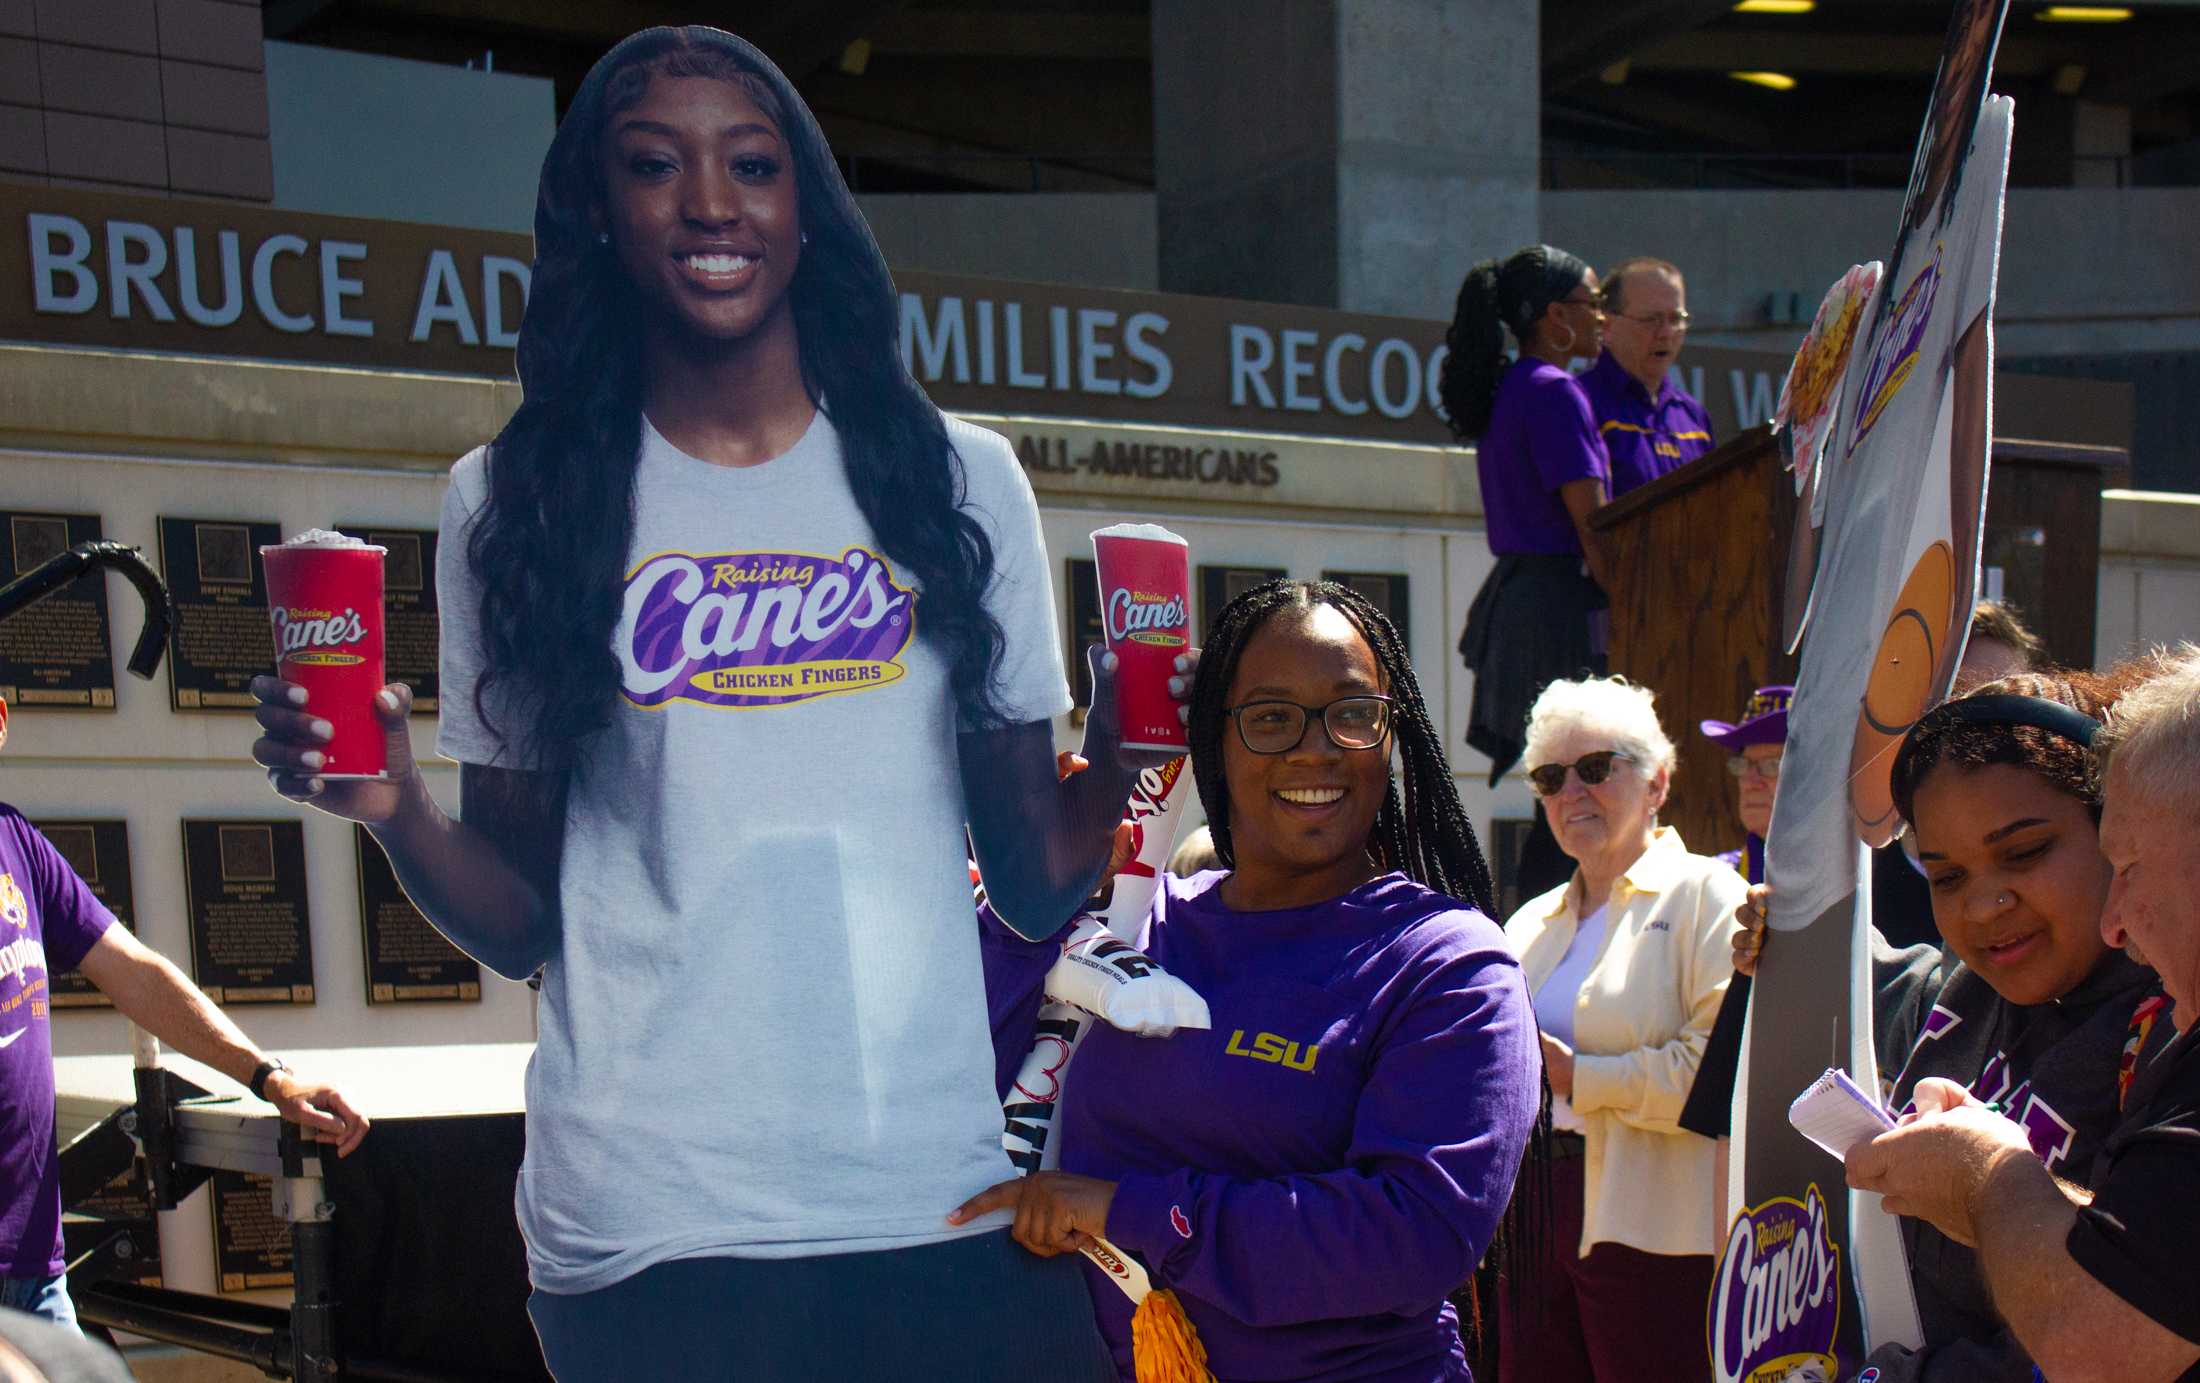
1146 612
324 597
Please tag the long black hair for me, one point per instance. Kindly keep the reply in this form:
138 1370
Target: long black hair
1497 296
1423 832
552 545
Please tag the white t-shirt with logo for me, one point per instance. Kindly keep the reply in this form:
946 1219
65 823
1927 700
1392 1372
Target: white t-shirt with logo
765 1032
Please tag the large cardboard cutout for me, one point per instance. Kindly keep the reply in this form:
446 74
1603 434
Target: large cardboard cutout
1880 595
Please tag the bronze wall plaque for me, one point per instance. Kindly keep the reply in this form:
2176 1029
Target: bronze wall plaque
251 930
1082 581
408 960
409 625
1386 591
1218 586
99 852
251 1246
221 639
57 652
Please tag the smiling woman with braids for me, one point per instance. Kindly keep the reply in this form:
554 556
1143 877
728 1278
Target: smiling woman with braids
739 632
1317 1173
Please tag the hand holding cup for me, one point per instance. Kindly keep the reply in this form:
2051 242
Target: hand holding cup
1101 723
292 748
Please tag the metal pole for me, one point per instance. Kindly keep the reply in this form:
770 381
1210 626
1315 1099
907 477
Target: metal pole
263 1350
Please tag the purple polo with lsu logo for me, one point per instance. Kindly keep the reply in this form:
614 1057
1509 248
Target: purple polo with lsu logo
1541 436
1318 1171
1645 437
49 920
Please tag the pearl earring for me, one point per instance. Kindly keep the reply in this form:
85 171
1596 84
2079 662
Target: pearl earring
603 237
805 237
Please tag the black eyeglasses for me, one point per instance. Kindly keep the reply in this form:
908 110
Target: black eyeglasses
1592 769
1277 727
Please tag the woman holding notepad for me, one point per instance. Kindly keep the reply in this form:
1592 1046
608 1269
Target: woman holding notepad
2023 1002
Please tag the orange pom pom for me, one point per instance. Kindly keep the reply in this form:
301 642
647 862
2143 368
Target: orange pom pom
1164 1346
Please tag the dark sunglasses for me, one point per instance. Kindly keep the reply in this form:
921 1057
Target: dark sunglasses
1277 727
1592 769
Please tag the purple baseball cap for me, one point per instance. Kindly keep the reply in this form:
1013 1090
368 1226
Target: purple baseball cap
1764 720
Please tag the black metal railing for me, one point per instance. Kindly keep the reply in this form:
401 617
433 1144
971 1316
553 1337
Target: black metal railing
1618 170
1003 172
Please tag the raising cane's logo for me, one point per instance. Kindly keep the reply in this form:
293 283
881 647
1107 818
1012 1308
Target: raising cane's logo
1147 617
1894 358
1776 1308
319 637
761 628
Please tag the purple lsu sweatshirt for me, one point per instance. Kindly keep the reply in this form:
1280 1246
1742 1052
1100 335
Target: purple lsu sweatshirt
1318 1172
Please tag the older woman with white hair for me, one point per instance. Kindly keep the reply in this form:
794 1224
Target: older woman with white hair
1628 962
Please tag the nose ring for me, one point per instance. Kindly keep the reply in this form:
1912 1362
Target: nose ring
2001 900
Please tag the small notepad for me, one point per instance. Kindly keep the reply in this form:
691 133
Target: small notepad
1837 1115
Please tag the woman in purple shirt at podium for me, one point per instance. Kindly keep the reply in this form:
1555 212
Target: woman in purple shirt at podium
1540 615
1543 469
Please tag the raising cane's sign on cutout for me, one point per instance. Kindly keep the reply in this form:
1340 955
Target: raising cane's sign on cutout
761 628
1775 1310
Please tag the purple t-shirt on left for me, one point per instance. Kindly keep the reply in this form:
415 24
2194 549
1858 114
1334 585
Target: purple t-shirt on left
1316 1173
49 920
1541 436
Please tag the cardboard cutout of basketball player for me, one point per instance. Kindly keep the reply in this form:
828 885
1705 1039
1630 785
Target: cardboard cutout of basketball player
1882 612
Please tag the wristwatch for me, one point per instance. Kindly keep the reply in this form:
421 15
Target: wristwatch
258 1084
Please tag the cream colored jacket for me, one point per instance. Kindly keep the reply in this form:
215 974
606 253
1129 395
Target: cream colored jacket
1640 1026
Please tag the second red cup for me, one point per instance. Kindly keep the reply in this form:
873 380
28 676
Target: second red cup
324 599
1146 613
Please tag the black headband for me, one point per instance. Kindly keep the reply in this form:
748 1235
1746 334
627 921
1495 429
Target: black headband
1555 274
1998 709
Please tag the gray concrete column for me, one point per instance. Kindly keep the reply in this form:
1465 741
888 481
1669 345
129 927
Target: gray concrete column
1343 153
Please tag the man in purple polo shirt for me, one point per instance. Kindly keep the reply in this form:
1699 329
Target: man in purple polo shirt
50 922
1650 424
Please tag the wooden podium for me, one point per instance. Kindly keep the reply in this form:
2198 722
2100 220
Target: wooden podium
1700 555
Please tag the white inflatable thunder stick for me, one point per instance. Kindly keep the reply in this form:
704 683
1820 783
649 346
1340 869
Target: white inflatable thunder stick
1100 975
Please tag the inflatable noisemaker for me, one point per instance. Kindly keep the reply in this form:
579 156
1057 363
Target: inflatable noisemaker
1101 975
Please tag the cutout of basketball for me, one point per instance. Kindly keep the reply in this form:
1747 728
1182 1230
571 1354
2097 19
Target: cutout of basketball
1905 680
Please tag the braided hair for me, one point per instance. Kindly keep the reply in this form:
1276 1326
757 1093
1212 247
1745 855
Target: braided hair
1497 296
1423 833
